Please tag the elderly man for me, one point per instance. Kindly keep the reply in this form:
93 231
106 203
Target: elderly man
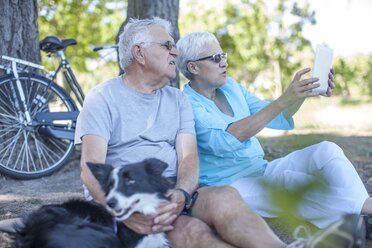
137 116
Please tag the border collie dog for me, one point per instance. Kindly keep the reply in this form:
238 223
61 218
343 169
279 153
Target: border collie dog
132 188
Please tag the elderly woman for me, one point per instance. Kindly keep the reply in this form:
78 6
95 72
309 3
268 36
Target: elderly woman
227 118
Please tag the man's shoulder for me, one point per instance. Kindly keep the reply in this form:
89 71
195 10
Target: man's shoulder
172 89
171 92
105 86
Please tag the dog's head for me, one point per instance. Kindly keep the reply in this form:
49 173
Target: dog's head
138 187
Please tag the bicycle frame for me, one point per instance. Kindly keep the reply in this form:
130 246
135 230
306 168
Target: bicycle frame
69 76
14 71
43 121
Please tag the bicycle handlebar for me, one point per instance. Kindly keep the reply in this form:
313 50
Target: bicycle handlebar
98 48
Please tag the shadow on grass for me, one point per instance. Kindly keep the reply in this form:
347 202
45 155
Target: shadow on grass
357 148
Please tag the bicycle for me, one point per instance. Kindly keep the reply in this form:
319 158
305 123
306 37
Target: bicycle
37 116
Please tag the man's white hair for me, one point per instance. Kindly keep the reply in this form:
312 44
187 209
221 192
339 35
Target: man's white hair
136 31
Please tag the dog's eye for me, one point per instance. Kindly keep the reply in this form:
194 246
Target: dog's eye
110 184
127 180
130 182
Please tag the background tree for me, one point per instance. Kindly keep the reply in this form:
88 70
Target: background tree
166 9
90 22
256 37
19 35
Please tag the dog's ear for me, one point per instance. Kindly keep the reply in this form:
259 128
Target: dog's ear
155 166
101 172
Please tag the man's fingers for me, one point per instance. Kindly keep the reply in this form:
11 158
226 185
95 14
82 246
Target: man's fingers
160 228
165 219
166 208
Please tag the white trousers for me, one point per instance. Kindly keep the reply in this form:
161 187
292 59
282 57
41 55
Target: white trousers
344 192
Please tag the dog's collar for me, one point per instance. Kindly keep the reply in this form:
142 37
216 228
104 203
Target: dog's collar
115 225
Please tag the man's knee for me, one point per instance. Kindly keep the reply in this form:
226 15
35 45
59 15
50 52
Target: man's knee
224 195
217 203
188 230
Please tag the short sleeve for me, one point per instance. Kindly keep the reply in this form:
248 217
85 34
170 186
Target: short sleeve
95 118
187 124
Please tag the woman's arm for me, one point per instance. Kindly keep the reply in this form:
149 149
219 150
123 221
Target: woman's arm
288 103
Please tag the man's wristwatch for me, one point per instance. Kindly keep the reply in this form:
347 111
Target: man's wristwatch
189 200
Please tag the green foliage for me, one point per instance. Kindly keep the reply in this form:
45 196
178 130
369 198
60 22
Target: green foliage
90 22
354 75
255 35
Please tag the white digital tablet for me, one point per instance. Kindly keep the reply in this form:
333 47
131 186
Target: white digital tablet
322 67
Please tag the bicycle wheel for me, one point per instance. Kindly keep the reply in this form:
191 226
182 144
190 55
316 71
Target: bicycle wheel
24 152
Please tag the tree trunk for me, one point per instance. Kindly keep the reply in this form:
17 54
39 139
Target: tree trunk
166 9
19 32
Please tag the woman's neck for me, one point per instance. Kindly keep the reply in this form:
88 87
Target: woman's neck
209 93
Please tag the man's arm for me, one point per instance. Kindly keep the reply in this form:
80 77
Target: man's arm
188 164
187 170
94 149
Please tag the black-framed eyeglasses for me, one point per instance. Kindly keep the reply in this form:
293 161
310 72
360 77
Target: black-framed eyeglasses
216 58
169 45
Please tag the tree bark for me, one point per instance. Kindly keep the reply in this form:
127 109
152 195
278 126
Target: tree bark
166 9
19 31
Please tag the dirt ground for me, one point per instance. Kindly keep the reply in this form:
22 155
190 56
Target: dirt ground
18 198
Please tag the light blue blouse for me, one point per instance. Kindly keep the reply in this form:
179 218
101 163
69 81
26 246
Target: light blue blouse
223 158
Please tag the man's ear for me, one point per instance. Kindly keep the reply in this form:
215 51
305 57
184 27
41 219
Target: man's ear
138 53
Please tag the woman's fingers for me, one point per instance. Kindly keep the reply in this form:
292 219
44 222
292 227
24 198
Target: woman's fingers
300 73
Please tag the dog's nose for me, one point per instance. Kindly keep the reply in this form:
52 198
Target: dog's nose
112 202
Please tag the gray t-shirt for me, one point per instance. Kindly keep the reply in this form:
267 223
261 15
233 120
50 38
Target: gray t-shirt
135 125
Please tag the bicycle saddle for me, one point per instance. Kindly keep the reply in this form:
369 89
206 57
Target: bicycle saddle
53 44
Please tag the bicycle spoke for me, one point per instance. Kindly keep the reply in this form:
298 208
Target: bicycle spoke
55 141
11 129
24 152
19 155
9 107
9 116
25 137
11 96
37 142
6 141
47 152
38 151
11 153
7 147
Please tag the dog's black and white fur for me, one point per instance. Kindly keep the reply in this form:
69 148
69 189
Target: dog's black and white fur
132 188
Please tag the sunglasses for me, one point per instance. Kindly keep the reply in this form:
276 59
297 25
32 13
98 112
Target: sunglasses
169 45
216 58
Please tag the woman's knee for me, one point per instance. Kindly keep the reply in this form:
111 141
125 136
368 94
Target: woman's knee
329 147
326 150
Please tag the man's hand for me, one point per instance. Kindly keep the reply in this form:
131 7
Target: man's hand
177 197
149 224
